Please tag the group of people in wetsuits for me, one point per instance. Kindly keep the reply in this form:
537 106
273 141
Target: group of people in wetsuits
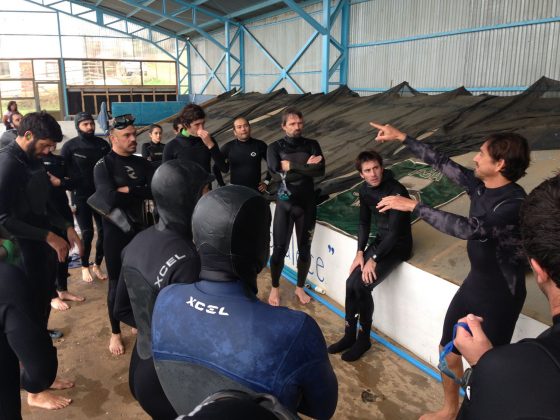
185 274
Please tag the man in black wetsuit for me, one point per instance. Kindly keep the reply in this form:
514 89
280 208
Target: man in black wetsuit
521 380
60 181
28 358
122 182
158 256
297 160
243 158
10 135
391 246
81 154
215 334
28 216
194 143
495 285
153 150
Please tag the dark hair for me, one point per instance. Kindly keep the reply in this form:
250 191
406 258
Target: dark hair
176 123
290 111
42 125
540 226
154 126
513 148
240 118
367 156
10 105
191 113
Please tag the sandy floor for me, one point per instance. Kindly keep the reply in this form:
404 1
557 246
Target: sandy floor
380 386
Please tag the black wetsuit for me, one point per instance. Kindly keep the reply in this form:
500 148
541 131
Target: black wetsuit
243 160
301 209
153 152
517 381
56 165
81 155
24 341
495 286
193 149
154 259
110 173
27 214
391 246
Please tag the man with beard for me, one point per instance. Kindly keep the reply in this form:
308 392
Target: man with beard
122 183
81 154
10 135
27 215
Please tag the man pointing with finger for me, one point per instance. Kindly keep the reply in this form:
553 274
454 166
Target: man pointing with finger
495 285
391 246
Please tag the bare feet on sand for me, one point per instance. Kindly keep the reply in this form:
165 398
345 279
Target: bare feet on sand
116 345
66 295
61 384
274 297
47 400
98 272
86 275
303 297
59 305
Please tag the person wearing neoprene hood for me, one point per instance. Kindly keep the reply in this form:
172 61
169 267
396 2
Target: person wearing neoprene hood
81 153
243 158
296 160
373 263
215 334
194 143
495 286
28 217
161 255
521 380
122 182
27 355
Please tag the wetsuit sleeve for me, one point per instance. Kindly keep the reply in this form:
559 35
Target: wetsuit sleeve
10 176
455 172
263 151
495 225
364 226
317 380
273 159
145 152
105 185
74 173
218 157
57 219
312 170
123 308
216 169
169 151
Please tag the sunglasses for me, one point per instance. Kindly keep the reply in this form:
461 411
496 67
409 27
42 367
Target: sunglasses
122 121
442 365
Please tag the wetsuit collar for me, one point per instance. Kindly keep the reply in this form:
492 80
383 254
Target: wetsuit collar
226 288
19 152
182 230
293 140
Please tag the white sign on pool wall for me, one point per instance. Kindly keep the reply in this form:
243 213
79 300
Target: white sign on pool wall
410 305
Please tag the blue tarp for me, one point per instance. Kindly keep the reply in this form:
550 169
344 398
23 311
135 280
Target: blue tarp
147 113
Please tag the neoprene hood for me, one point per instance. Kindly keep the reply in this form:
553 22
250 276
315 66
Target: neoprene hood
176 187
231 231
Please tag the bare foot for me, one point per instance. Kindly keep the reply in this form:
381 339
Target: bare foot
274 297
66 295
99 272
58 304
116 345
61 384
134 331
442 414
303 297
47 400
86 275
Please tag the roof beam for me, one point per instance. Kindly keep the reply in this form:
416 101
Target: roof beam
241 12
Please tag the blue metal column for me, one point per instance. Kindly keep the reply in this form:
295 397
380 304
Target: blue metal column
227 39
62 69
189 69
241 60
177 67
325 65
344 35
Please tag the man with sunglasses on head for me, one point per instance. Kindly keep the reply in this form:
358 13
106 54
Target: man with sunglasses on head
194 143
122 183
81 153
27 215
